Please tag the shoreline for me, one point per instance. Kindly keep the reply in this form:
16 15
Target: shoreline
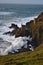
32 29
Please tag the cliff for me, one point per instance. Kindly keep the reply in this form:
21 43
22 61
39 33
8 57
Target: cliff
34 29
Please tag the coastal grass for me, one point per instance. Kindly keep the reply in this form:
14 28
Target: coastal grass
24 58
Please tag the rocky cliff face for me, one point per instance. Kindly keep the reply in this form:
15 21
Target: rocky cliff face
34 29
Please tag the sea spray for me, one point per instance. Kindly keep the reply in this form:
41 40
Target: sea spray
17 44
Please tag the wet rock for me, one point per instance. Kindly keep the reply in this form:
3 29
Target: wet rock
10 32
13 31
7 33
13 26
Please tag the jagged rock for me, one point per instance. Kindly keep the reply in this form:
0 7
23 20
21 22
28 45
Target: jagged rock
29 29
10 32
28 23
7 33
13 31
13 26
23 31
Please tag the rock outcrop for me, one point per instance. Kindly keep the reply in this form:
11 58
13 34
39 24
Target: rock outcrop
34 28
13 26
23 31
31 28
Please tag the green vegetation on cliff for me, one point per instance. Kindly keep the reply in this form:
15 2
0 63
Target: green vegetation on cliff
24 58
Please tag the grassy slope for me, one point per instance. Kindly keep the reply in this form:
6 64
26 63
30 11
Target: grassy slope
24 58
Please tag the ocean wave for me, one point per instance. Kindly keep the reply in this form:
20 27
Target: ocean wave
16 45
19 20
6 13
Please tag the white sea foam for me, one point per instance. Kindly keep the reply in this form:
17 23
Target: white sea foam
16 44
19 21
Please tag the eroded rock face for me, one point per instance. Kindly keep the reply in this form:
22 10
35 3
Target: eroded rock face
23 31
40 17
26 30
29 29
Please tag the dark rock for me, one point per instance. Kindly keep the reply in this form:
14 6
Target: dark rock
7 33
13 31
23 31
28 23
13 26
10 32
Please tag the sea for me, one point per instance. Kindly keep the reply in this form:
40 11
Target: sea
17 14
